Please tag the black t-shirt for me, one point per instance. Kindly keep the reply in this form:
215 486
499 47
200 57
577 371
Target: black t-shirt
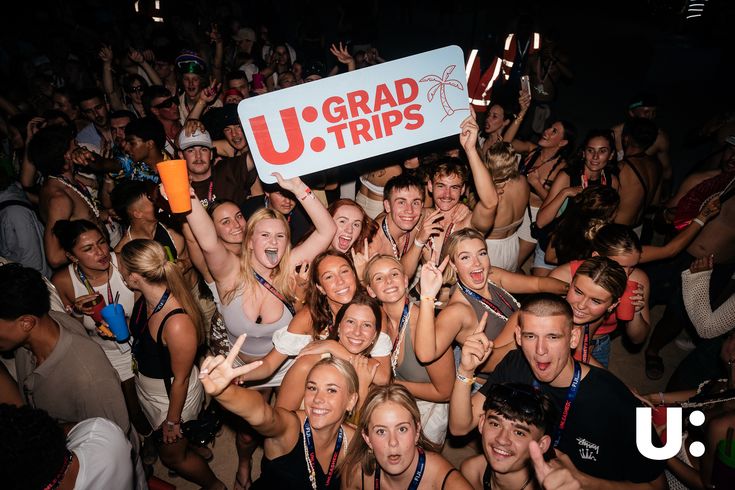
298 221
599 436
230 181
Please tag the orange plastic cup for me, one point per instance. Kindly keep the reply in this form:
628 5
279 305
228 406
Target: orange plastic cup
175 180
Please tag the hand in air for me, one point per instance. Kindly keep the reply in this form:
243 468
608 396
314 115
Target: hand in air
294 184
217 373
476 348
360 259
432 277
468 132
430 226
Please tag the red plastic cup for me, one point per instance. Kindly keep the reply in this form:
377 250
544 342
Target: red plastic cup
175 178
97 303
625 310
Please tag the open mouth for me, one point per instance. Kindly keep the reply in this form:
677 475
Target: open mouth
543 366
344 243
501 452
390 290
355 342
342 292
272 255
394 459
477 276
319 412
579 314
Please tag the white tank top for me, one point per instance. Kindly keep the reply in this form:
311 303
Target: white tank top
126 299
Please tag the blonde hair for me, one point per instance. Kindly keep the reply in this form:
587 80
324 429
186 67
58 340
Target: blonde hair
377 396
502 161
281 273
451 245
148 259
371 263
345 369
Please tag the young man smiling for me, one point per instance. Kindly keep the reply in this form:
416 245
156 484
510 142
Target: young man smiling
595 438
513 416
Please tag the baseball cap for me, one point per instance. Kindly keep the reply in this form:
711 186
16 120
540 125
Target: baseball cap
190 62
197 138
244 33
643 99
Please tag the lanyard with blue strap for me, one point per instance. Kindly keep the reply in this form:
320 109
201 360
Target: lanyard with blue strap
393 243
417 475
571 395
311 461
489 305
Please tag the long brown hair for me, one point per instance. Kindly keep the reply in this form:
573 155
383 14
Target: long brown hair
360 453
361 298
318 303
148 259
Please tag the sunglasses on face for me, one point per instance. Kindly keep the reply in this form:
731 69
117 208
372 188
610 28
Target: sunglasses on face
167 103
525 401
137 88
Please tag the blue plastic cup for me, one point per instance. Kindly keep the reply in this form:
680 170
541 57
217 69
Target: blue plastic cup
114 315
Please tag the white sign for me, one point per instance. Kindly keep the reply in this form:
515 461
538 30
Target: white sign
356 115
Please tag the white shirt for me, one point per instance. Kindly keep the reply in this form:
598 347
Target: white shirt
103 453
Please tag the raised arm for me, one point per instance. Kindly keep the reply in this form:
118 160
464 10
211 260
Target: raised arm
324 225
524 100
220 261
431 342
217 375
559 192
105 54
195 253
138 58
483 216
464 408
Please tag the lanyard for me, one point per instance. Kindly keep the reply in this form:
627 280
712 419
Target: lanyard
571 395
586 343
402 324
489 305
88 285
311 461
271 289
416 474
393 243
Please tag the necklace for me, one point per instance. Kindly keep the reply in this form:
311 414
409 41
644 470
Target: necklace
62 472
81 191
310 455
402 324
487 484
393 243
88 285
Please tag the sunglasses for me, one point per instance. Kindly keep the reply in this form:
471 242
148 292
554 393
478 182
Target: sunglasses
525 401
138 88
167 103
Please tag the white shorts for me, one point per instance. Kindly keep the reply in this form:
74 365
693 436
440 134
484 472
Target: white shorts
154 400
434 420
121 361
504 252
524 231
371 207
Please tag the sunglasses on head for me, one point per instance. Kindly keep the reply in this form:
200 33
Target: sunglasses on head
525 401
167 103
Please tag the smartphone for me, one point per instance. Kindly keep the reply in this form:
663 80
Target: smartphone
526 84
258 81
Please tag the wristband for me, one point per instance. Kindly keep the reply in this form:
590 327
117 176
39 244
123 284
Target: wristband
699 222
428 298
465 379
172 424
308 193
418 243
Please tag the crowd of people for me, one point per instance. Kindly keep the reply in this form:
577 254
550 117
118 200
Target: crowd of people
347 323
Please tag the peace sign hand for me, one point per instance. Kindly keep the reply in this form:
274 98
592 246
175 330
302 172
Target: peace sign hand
360 259
431 277
217 373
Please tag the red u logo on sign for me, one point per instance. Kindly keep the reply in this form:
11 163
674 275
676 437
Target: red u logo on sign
295 138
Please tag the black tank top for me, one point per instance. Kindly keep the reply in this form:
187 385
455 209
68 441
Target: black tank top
162 237
289 471
152 357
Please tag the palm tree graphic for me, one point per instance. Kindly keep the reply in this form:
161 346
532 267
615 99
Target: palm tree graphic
441 83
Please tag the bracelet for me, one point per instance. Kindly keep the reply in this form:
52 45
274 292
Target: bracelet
661 396
698 221
308 193
465 379
418 243
172 424
428 298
